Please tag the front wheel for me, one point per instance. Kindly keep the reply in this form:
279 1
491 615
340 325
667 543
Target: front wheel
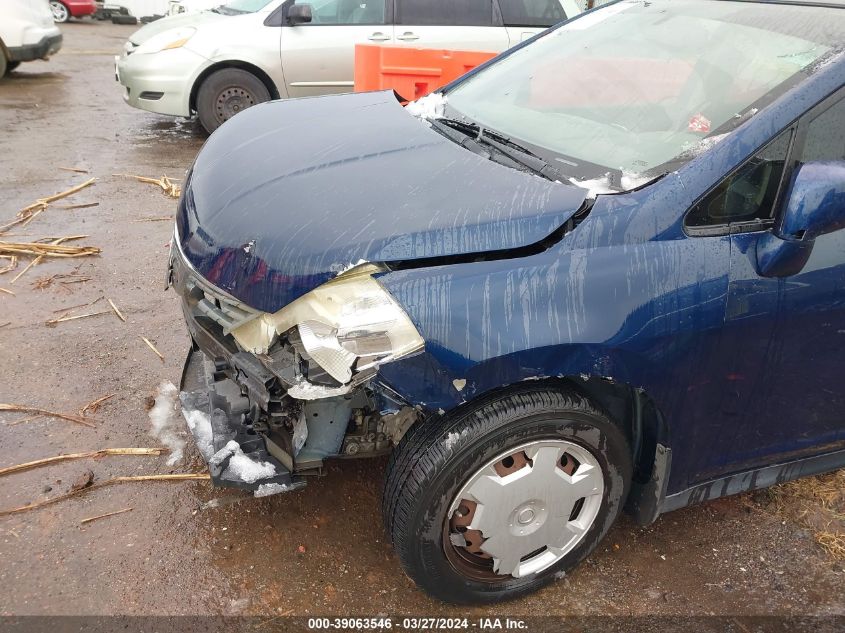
495 502
60 12
227 92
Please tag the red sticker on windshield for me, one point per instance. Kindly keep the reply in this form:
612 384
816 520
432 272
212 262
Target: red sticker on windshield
699 123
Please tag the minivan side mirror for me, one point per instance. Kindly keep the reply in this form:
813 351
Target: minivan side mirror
299 14
815 205
816 201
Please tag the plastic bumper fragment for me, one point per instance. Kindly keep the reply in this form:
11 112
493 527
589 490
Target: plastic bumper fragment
215 410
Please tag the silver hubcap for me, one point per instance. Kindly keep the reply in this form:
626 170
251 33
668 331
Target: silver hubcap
529 507
59 11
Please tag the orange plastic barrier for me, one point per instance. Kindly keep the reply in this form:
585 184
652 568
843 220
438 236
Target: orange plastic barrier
411 72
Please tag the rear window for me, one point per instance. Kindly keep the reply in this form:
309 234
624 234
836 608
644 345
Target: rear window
445 12
531 12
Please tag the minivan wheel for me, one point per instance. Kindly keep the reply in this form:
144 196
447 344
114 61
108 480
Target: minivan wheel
4 64
60 12
498 500
227 92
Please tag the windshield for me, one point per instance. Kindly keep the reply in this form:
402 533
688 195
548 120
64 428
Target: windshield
632 90
243 6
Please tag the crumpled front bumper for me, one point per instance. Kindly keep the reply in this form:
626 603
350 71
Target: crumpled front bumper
214 408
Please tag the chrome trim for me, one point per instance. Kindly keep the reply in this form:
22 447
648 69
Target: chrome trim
229 313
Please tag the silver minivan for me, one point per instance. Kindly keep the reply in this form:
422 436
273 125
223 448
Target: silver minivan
219 62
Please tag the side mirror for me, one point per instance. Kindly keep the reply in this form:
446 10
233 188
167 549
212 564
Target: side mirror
816 201
299 14
815 205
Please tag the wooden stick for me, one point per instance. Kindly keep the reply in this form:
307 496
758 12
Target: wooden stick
46 250
8 292
66 192
153 347
103 516
20 408
19 468
84 205
13 263
76 170
116 311
28 213
95 404
64 318
167 185
108 482
34 262
163 218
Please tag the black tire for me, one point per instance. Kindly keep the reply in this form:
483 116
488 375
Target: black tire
437 457
226 92
124 19
4 64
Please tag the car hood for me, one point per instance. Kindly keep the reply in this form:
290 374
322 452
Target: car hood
289 194
173 22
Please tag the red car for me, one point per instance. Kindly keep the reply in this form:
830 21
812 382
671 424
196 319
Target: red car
63 10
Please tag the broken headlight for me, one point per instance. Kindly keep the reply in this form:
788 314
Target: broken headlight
347 325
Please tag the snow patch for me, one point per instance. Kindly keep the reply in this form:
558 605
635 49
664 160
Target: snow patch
265 490
429 107
200 425
594 186
603 185
632 180
459 383
163 421
340 269
240 466
304 390
453 438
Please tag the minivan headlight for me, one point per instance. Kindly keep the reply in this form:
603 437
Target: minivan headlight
347 325
174 38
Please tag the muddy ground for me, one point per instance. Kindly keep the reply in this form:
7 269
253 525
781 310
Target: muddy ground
320 551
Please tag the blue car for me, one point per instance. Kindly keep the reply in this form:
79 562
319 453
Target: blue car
603 271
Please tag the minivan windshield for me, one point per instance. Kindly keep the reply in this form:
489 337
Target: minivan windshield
634 89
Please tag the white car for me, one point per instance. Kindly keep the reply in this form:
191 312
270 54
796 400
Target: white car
138 8
27 32
219 62
177 7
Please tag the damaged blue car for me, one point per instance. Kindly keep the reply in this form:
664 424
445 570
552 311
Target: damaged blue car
604 271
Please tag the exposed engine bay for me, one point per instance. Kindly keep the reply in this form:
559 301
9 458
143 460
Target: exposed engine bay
263 422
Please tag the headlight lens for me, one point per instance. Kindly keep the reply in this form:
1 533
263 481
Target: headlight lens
347 325
174 38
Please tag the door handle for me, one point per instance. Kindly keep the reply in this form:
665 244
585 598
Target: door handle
378 37
407 36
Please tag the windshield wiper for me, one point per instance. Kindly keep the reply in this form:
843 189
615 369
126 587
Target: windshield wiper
465 137
504 145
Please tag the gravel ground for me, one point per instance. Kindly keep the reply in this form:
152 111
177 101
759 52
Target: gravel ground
319 551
